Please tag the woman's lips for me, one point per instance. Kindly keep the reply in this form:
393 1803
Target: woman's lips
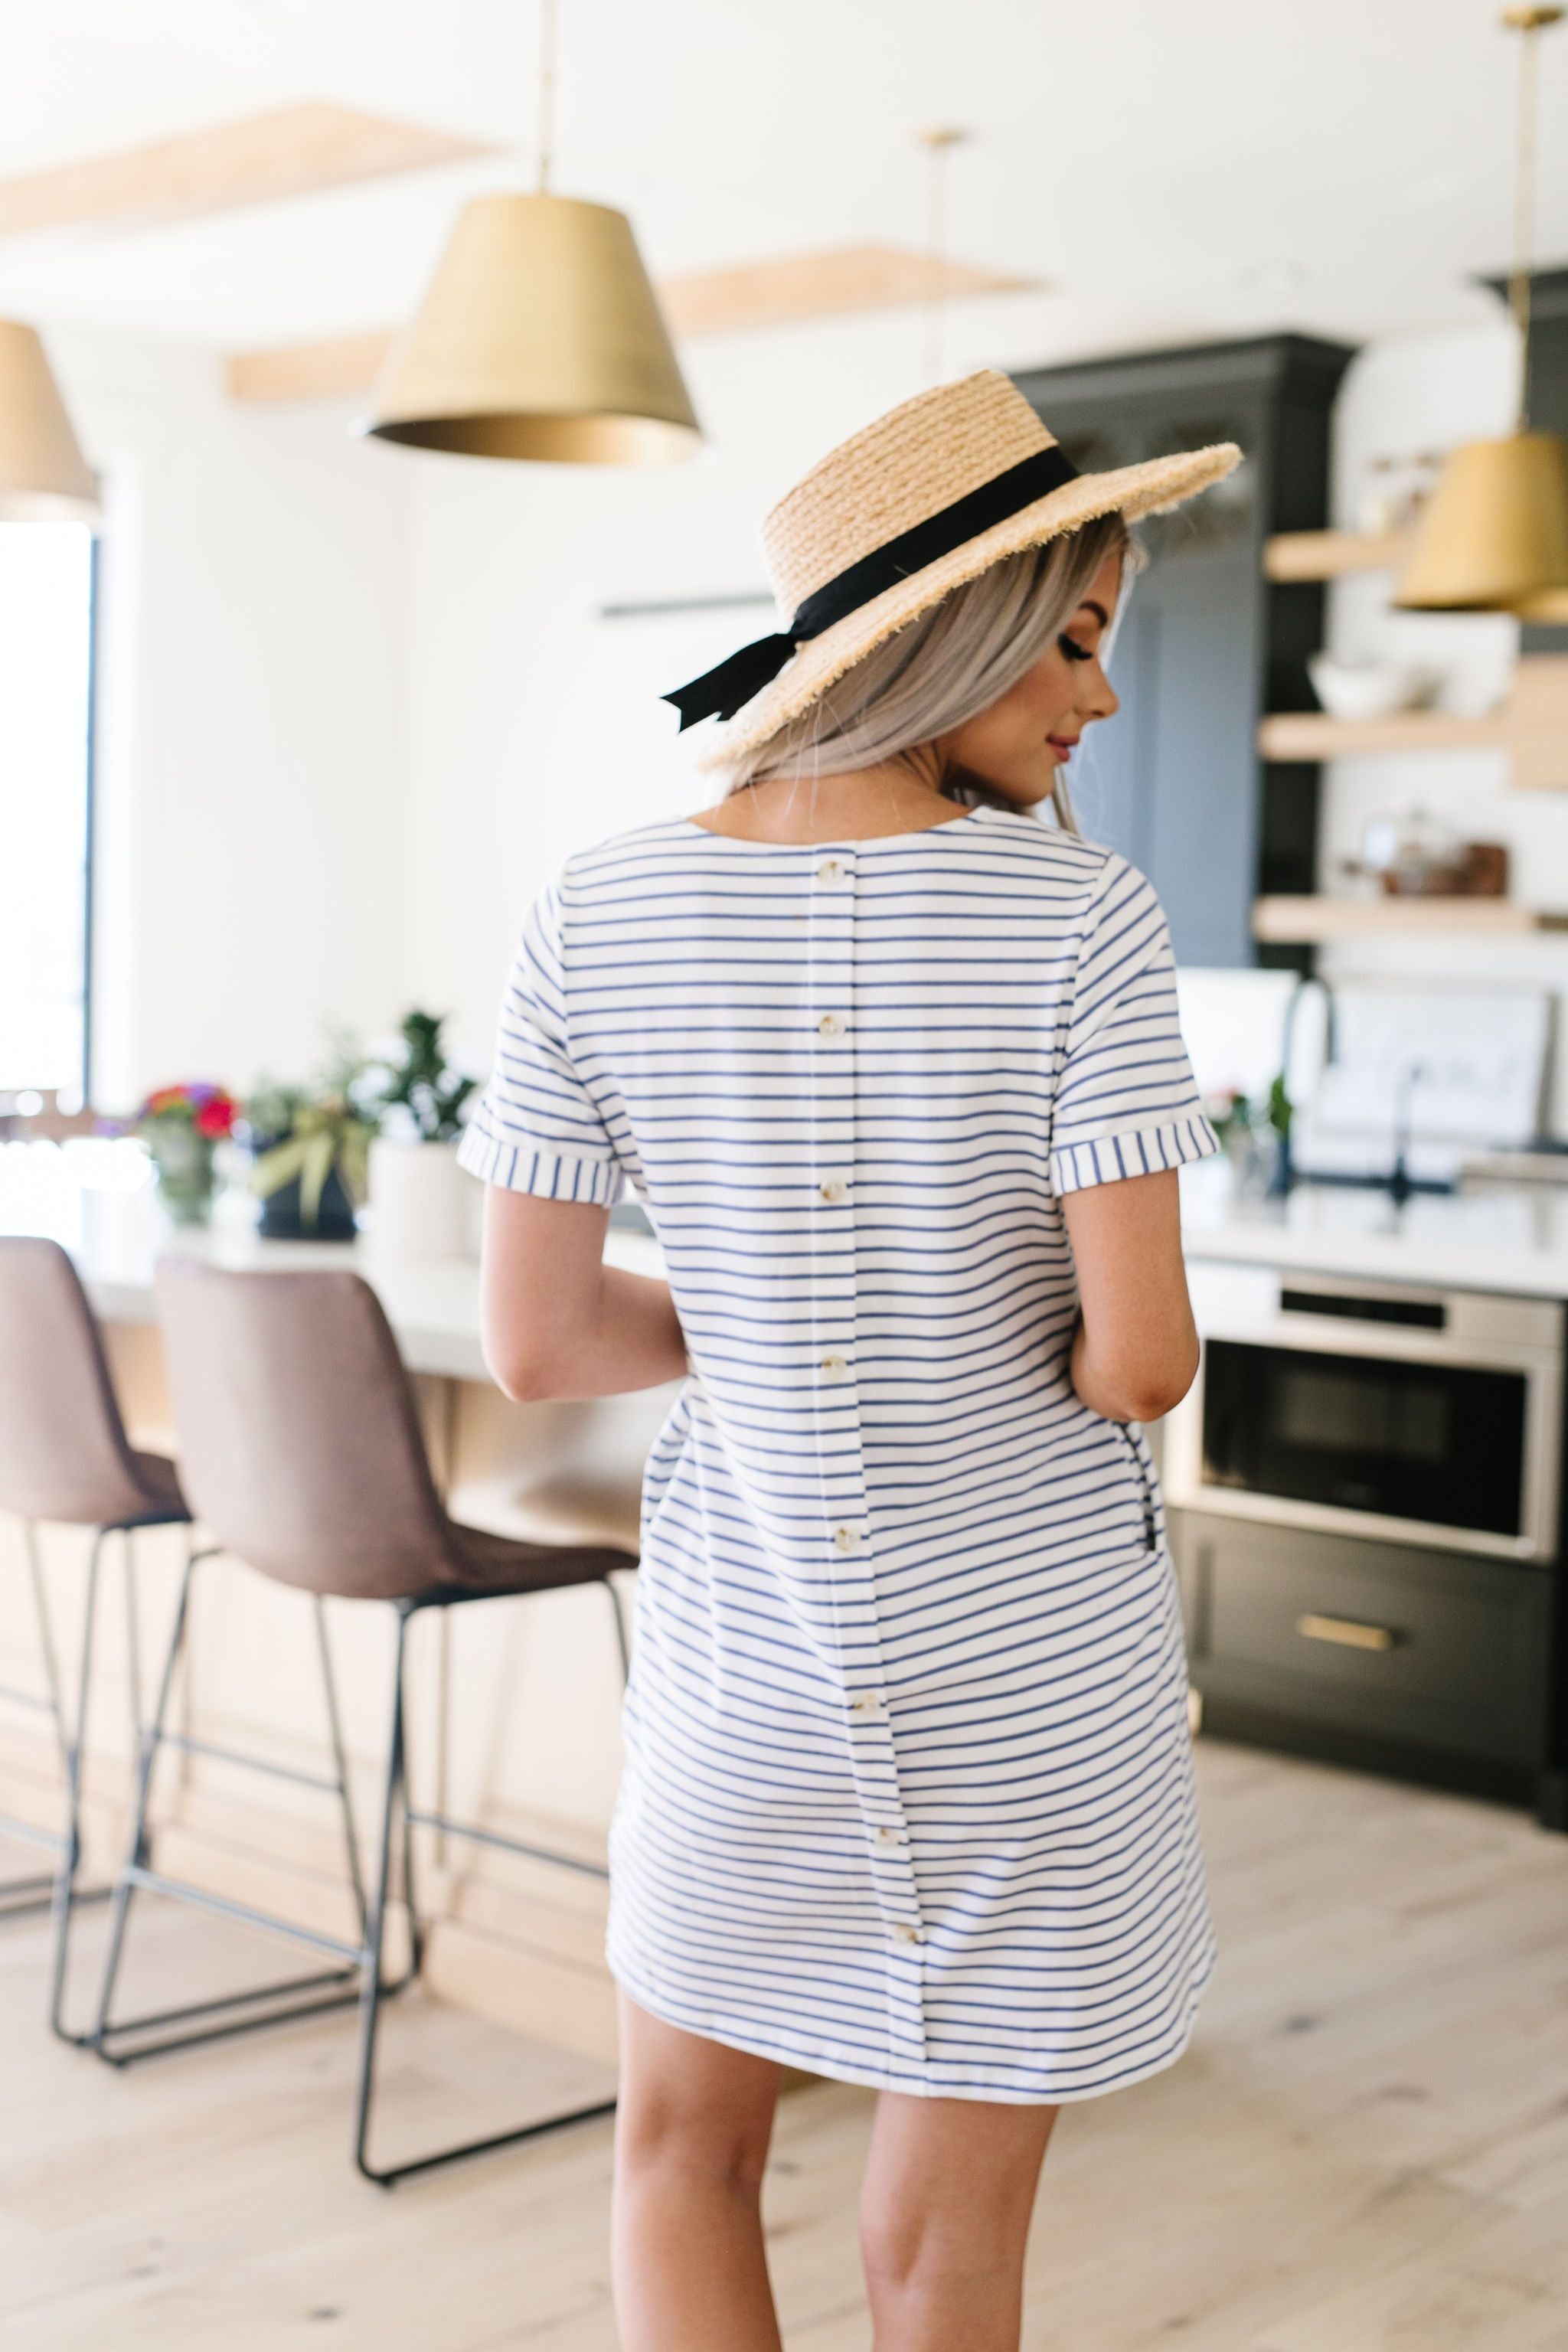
1062 744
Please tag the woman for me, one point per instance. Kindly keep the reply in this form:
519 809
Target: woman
895 1068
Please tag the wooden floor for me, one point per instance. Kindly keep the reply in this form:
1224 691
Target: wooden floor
1366 2149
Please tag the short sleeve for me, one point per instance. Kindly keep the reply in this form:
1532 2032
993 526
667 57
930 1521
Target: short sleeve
537 1128
1126 1103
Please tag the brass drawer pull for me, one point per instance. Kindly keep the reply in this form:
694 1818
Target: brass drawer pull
1347 1632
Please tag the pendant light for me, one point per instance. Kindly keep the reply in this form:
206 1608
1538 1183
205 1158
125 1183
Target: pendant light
44 477
540 336
939 144
1494 538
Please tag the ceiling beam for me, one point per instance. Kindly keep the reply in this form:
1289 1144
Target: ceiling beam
261 159
335 368
833 284
837 282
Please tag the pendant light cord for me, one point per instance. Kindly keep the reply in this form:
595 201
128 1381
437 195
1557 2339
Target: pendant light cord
1529 24
546 93
1524 212
938 146
936 239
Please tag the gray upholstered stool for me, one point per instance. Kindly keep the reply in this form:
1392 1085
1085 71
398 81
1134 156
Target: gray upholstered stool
302 1452
65 1458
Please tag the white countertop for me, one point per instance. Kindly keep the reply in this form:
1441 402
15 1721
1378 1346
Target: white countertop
81 1198
1508 1238
1505 1237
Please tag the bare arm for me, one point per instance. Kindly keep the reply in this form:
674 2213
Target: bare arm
1136 1349
557 1321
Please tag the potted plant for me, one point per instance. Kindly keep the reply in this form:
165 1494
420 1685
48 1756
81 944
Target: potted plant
418 1200
182 1127
310 1147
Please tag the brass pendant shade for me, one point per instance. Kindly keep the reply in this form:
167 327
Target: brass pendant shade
44 477
1495 536
539 337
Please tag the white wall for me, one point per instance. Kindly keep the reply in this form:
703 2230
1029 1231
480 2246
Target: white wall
359 702
251 773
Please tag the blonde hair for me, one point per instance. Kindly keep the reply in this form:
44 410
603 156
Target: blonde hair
948 664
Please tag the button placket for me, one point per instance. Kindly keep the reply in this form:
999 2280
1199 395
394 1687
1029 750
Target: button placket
848 1540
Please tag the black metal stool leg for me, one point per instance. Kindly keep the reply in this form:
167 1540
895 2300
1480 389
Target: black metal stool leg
66 1898
148 1744
35 1891
375 1941
621 1641
132 1630
46 1641
374 1992
416 1967
339 1985
341 1766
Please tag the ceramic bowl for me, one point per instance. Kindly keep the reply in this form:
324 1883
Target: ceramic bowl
1369 689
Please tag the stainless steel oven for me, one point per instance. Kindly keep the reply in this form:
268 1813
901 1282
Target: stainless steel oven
1373 1409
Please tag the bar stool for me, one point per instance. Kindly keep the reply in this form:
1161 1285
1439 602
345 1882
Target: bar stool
301 1450
65 1458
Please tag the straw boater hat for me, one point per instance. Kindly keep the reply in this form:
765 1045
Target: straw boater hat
895 519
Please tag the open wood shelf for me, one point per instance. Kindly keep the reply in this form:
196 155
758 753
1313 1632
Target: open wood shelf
1304 922
1531 728
1329 555
1317 735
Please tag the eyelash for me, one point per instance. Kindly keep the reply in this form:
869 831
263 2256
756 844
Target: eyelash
1073 650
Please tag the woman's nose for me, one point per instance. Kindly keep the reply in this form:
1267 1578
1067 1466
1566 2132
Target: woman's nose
1101 701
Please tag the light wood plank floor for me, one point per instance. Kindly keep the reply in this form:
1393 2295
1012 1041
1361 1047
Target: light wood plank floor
1366 2149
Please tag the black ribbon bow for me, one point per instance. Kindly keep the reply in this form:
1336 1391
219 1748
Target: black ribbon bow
720 692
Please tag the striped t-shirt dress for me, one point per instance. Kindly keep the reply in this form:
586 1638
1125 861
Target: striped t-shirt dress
907 1798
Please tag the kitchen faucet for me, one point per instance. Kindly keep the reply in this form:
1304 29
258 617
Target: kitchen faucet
1400 1186
1284 1167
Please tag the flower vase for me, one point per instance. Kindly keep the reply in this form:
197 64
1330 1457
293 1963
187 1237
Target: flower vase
182 1164
282 1216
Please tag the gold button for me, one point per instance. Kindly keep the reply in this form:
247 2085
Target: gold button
865 1703
834 1368
830 870
904 1934
834 1190
832 1024
846 1538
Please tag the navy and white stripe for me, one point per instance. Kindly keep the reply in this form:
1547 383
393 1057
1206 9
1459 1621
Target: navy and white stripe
907 1798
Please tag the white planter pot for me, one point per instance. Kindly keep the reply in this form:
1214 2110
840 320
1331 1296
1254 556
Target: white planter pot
418 1200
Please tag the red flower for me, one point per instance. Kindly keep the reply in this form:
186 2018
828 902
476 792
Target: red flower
216 1118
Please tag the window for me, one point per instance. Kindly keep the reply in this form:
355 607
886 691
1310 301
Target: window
46 700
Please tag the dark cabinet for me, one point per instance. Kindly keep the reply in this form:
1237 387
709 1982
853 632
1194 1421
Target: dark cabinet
1206 645
1391 1656
1547 398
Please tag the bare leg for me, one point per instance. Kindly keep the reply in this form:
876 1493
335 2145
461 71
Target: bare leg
944 2219
692 2145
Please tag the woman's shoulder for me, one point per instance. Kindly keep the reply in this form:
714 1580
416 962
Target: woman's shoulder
1044 854
621 857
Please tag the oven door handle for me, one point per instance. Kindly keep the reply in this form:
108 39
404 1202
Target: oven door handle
1336 1335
